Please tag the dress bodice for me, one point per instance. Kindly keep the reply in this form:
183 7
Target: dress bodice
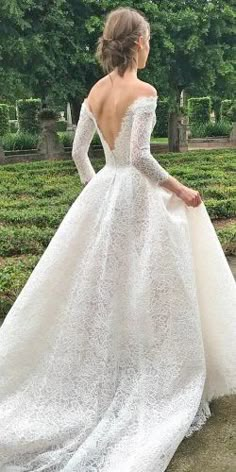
132 144
120 154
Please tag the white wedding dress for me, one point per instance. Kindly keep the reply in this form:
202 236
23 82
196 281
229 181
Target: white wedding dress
126 328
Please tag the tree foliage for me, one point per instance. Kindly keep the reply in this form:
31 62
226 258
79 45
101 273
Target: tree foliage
47 47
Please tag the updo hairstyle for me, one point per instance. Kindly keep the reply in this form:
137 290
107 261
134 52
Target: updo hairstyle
117 45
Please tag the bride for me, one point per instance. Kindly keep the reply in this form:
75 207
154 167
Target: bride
125 330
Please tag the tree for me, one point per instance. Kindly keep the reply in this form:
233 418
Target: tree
12 25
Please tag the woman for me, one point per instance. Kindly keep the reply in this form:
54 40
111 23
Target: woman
125 330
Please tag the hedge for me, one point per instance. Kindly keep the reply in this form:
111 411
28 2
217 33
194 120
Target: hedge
202 130
199 110
225 106
4 119
19 141
27 114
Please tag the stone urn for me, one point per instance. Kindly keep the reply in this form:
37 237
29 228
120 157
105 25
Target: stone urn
49 144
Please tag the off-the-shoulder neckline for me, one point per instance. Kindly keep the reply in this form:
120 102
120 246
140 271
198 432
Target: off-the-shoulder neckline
135 103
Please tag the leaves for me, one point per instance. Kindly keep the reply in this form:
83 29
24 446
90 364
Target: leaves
47 47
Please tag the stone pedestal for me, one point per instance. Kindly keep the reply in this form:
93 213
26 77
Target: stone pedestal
2 155
49 144
232 137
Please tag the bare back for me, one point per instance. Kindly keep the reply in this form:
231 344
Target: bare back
109 100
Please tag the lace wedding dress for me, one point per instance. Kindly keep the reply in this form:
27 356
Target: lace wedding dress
125 329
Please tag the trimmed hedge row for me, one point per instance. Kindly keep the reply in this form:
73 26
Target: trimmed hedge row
4 119
14 273
19 141
224 109
41 217
199 110
24 240
208 129
27 114
26 140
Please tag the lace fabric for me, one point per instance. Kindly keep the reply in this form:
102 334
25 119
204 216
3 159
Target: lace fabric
137 124
125 329
83 135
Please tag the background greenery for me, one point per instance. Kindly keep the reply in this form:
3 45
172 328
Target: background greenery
47 48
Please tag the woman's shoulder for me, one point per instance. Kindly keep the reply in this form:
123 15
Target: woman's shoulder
136 95
145 98
146 89
139 87
98 87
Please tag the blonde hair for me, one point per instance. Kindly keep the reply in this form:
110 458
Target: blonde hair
117 45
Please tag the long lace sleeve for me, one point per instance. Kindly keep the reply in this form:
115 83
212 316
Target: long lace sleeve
83 136
140 154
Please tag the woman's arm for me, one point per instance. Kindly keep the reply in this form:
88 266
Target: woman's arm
140 153
83 136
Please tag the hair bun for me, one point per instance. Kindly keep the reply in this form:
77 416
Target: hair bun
107 40
117 45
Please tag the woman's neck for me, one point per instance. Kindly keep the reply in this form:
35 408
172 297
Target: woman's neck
128 74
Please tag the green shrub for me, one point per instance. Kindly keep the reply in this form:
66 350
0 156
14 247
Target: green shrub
24 240
231 114
61 125
13 124
19 141
227 237
221 208
203 130
225 106
199 109
40 217
96 139
12 112
27 114
4 119
65 138
13 276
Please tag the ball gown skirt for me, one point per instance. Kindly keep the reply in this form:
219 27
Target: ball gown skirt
124 331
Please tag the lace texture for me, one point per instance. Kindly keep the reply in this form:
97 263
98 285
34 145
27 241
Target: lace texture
125 329
137 125
83 135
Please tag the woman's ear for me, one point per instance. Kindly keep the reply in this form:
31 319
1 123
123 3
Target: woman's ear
140 42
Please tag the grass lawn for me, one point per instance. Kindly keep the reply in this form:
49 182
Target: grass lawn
36 196
160 140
